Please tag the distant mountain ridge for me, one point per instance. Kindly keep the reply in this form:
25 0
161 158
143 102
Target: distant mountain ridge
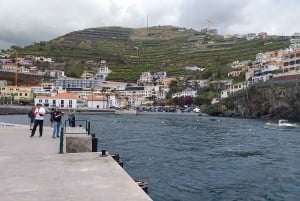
129 52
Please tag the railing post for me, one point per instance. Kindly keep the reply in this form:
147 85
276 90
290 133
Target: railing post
89 128
94 143
61 141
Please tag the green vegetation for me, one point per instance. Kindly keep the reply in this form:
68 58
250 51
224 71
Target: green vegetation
129 52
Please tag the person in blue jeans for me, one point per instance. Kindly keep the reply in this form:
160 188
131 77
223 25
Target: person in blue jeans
56 116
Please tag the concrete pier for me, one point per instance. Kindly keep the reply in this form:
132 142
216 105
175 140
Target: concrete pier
32 170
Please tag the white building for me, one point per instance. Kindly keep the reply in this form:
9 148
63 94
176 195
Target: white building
43 59
194 68
102 101
60 100
160 75
251 36
186 92
103 70
291 60
145 78
113 86
234 88
272 66
99 101
295 38
57 73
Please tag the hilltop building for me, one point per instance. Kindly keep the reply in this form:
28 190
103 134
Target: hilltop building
145 78
80 83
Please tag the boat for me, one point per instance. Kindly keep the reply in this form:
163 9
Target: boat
281 125
196 110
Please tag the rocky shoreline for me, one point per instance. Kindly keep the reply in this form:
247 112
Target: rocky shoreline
261 101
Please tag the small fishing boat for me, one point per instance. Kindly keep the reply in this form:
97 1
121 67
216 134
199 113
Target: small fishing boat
282 124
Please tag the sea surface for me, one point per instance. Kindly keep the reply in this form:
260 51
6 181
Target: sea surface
195 158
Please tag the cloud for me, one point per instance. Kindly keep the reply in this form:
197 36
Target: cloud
25 22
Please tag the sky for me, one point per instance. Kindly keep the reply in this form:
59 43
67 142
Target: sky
23 22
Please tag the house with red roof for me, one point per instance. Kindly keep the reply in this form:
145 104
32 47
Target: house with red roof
60 100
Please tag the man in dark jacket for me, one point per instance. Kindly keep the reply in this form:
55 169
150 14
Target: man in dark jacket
56 116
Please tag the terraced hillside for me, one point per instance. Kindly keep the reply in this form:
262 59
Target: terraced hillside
131 51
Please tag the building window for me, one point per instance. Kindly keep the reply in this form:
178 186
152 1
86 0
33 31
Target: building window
62 103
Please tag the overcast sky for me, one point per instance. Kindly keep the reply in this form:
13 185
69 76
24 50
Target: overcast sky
23 22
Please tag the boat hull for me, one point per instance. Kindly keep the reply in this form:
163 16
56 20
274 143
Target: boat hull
279 127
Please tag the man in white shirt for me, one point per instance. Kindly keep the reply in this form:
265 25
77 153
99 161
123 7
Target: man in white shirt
39 119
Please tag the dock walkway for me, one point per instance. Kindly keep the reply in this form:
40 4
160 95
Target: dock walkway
32 170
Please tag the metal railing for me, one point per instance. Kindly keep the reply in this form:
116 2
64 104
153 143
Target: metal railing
77 127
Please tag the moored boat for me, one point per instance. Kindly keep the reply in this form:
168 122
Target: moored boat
282 124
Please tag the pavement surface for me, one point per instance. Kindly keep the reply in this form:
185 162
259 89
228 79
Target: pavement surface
33 170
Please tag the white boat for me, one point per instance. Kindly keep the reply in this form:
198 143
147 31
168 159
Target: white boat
282 124
196 110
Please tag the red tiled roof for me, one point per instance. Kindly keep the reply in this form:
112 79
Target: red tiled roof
61 96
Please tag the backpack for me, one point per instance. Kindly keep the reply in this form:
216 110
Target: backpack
30 114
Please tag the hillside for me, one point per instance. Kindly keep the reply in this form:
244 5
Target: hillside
131 51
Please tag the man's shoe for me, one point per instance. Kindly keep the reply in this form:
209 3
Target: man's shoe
31 136
40 136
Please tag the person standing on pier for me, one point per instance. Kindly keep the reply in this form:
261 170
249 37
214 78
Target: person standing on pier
39 119
56 116
31 115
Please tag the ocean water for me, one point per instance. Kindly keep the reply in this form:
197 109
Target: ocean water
191 158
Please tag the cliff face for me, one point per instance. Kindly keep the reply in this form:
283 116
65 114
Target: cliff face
262 102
